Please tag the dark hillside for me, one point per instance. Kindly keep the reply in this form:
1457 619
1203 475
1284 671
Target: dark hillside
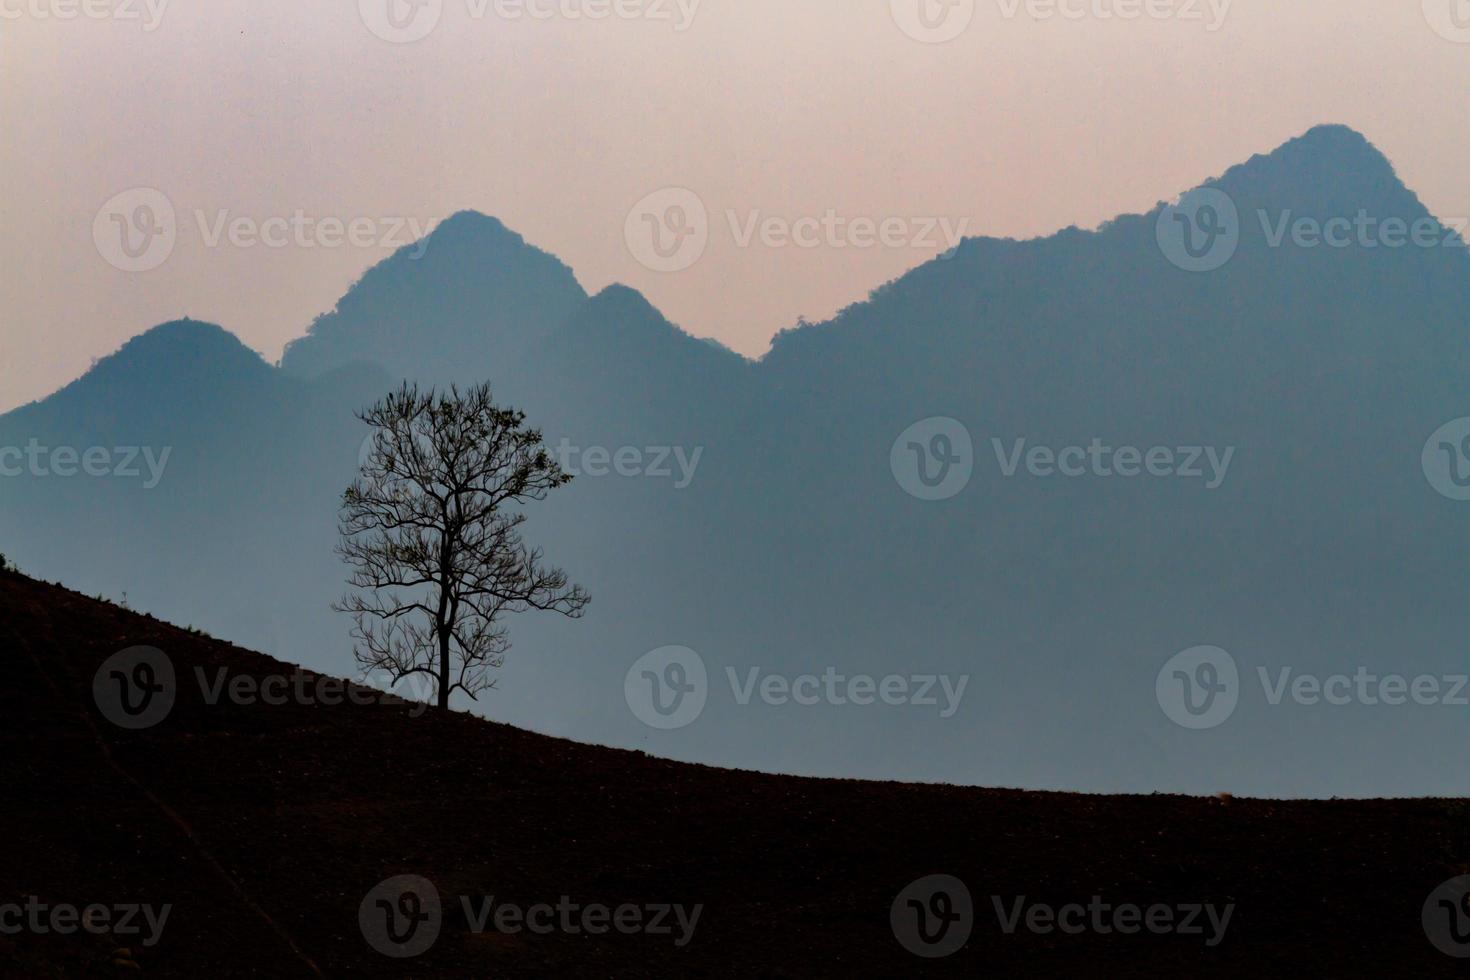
265 827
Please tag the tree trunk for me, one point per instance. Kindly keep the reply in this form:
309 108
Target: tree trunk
443 671
443 620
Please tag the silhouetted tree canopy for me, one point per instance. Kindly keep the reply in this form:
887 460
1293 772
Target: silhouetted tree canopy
431 528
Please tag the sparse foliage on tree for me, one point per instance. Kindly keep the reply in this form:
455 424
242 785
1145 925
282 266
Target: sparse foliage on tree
431 529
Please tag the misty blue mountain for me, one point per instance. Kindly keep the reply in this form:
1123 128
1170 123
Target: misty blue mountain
792 548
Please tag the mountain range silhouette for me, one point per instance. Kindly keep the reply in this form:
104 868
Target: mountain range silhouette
795 545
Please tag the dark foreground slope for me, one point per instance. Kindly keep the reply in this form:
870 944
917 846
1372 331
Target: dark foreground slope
264 827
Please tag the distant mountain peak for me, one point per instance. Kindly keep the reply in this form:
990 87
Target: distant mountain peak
1334 137
1329 168
469 217
469 226
623 307
180 355
622 311
620 326
1330 148
621 299
467 294
185 330
1328 173
183 340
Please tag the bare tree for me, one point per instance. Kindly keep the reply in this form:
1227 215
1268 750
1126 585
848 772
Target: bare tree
431 527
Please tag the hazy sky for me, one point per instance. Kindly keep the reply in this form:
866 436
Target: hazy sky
1035 116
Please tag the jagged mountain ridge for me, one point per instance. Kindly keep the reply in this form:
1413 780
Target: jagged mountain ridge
794 548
